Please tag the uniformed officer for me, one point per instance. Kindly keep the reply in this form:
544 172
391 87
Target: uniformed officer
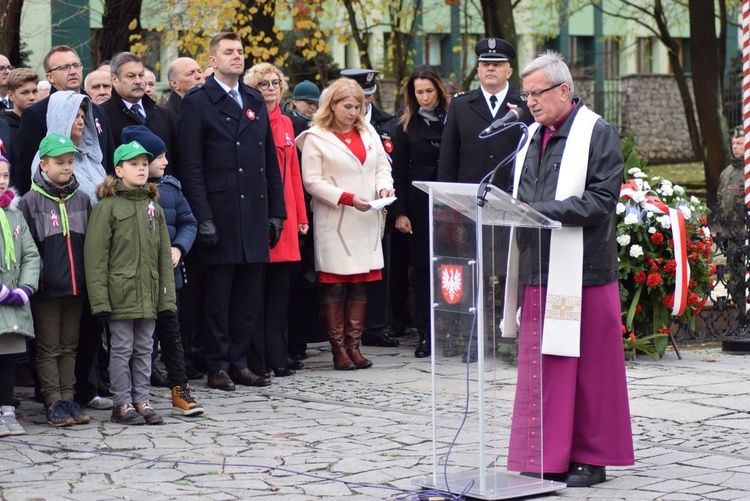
467 158
395 276
464 157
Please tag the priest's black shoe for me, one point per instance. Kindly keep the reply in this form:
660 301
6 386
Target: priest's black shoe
283 371
381 340
294 364
585 475
220 380
247 378
557 477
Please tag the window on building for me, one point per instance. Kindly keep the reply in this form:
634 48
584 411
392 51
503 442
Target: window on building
551 44
611 58
581 56
684 55
645 49
433 45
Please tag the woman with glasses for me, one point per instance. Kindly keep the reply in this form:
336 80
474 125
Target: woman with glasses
416 148
344 168
269 343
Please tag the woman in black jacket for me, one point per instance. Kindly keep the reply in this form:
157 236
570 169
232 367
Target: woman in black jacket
415 158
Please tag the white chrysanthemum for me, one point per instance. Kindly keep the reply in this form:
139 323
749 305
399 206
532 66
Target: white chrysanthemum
667 191
666 182
694 200
623 240
631 219
638 197
705 231
678 190
634 170
636 251
651 230
620 208
649 215
640 175
664 221
686 211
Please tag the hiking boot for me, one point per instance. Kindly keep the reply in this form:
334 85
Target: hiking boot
183 403
57 414
148 413
77 412
126 414
8 421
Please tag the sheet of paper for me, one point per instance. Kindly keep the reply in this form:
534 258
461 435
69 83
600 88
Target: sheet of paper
381 202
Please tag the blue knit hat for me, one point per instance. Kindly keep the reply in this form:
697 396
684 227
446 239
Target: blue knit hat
150 141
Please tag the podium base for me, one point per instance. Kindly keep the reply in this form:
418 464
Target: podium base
497 485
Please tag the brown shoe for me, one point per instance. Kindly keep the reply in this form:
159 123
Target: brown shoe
220 380
247 378
333 314
355 324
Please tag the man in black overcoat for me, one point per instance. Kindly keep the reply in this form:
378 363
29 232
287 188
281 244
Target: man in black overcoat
129 105
231 178
183 74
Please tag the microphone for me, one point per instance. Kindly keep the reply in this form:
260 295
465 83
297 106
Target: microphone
512 116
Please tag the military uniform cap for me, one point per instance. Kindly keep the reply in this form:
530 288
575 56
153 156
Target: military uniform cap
738 131
494 50
364 77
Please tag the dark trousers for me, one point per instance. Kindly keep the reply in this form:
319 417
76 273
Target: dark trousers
422 298
376 317
190 314
168 333
90 337
398 280
232 294
269 342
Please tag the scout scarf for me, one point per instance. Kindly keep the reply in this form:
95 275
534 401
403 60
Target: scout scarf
562 314
10 248
61 204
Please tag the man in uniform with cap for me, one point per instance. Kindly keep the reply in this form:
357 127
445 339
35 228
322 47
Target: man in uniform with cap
396 274
467 158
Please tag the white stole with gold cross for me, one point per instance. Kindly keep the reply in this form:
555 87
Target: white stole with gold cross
562 314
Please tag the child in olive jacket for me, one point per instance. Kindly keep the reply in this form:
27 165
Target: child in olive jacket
129 277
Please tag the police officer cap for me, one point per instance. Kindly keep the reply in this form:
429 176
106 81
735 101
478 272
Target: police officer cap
738 131
364 77
306 91
494 50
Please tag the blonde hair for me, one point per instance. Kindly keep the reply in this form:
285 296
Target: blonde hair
340 89
258 71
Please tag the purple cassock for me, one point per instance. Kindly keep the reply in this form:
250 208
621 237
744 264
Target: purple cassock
578 394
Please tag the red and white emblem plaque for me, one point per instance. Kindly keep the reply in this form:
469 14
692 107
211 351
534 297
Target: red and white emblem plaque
451 282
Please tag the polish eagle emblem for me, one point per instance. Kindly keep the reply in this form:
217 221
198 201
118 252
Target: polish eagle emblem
451 282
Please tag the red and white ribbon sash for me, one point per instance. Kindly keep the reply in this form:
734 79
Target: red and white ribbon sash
677 219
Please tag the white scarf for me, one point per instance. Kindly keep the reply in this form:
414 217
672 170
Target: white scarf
562 314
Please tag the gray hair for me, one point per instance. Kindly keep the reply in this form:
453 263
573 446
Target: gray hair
120 59
554 67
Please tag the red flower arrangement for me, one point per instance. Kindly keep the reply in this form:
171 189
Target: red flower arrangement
648 265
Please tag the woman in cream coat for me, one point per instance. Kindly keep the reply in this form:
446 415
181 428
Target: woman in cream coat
344 167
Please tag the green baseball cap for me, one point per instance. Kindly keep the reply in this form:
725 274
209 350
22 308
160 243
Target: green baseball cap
55 145
130 150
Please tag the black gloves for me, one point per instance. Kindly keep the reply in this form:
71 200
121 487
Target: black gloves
207 233
275 225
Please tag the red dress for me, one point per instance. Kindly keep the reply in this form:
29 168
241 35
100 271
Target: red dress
357 147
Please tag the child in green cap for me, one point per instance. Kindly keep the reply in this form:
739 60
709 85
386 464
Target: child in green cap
57 213
129 275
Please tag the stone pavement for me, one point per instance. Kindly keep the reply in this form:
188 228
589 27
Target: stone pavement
370 431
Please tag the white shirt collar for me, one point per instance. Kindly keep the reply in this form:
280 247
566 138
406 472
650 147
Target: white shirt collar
228 88
500 98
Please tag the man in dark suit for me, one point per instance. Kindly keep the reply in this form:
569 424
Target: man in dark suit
183 74
394 287
464 157
467 158
64 72
129 105
231 178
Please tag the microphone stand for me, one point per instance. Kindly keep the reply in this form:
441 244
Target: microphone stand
485 183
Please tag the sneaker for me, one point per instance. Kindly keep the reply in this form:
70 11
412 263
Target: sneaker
57 414
100 404
183 404
148 413
8 421
4 431
126 414
77 412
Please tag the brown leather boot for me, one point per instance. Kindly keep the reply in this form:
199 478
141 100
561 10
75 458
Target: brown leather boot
333 314
355 324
